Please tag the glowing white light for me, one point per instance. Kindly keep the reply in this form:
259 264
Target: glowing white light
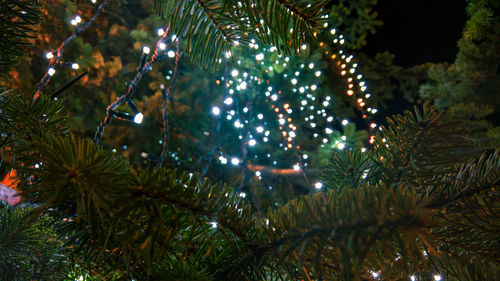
332 31
223 160
252 142
294 81
317 73
373 125
329 119
437 277
243 85
413 278
138 118
234 73
259 57
162 46
257 173
260 129
171 54
49 55
260 116
363 149
325 103
341 146
228 101
160 31
51 71
243 195
303 102
302 90
345 122
274 97
281 121
305 156
311 65
328 130
235 161
215 110
296 167
318 185
75 65
146 49
313 87
344 138
93 1
73 22
375 274
214 224
304 46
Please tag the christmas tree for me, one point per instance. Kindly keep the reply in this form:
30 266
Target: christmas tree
311 197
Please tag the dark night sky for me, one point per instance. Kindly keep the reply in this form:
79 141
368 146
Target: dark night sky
418 31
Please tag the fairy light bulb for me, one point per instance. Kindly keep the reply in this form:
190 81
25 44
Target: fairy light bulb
437 277
318 185
223 160
49 55
215 110
146 49
296 167
259 57
252 142
259 129
345 122
234 73
160 31
171 54
235 161
138 118
228 101
75 66
51 71
162 46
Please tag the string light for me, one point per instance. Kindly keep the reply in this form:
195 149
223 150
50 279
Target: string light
138 118
75 66
235 161
49 55
51 71
215 110
146 49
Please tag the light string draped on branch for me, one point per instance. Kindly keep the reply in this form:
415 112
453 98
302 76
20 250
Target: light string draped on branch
165 93
127 98
55 56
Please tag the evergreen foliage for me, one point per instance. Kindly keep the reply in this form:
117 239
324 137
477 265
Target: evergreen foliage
223 24
18 19
30 250
424 201
470 87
